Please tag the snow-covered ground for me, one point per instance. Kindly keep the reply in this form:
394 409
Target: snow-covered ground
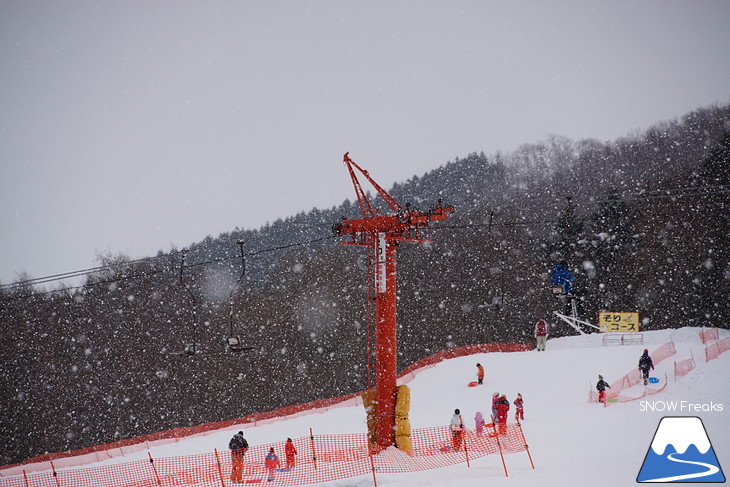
573 442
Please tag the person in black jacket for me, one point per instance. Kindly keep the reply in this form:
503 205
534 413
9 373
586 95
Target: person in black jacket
645 364
601 388
238 446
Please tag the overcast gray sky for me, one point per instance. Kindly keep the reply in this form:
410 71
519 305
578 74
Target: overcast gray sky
132 126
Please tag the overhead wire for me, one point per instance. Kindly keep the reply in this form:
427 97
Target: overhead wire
109 267
625 197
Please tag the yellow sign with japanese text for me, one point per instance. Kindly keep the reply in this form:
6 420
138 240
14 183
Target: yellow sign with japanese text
618 322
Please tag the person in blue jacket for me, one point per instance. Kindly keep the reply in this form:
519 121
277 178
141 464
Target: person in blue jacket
271 462
561 276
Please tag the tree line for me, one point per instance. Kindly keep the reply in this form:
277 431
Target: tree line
641 221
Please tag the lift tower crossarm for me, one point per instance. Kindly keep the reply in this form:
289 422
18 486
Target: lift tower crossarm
365 207
404 225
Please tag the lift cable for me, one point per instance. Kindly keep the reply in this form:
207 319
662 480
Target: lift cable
623 197
93 270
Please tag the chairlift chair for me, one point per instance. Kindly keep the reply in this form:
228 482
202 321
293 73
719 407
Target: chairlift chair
188 350
236 344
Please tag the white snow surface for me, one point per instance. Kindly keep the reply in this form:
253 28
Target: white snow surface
573 442
689 431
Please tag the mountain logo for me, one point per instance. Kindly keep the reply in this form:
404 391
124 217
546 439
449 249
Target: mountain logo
681 452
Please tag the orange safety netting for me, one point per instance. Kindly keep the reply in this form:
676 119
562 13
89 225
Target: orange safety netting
634 377
714 350
614 397
712 334
120 448
320 459
683 367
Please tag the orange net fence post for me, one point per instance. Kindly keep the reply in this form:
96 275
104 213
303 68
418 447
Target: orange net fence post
709 335
154 469
524 440
712 351
716 349
220 468
372 467
314 452
495 435
466 450
55 475
724 345
684 367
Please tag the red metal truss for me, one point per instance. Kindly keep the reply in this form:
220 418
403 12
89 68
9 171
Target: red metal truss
382 234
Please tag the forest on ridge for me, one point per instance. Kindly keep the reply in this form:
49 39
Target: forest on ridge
641 221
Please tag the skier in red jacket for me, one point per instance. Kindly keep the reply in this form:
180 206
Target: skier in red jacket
502 407
290 452
519 407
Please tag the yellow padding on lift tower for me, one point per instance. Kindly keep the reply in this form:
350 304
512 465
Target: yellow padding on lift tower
402 426
403 401
404 443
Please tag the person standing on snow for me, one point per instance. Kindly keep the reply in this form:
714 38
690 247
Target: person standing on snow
290 452
495 398
519 407
479 423
645 364
601 388
271 462
480 374
541 334
457 430
502 407
238 446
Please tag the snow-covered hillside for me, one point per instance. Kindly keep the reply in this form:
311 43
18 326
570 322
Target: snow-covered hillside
573 442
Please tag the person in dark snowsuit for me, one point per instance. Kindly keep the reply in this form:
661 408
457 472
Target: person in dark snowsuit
601 388
645 364
238 446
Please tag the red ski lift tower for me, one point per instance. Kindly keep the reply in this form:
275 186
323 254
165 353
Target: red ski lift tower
381 235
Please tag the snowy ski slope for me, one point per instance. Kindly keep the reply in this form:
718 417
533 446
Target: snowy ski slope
573 442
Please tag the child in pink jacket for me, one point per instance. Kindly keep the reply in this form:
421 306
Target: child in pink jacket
479 423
